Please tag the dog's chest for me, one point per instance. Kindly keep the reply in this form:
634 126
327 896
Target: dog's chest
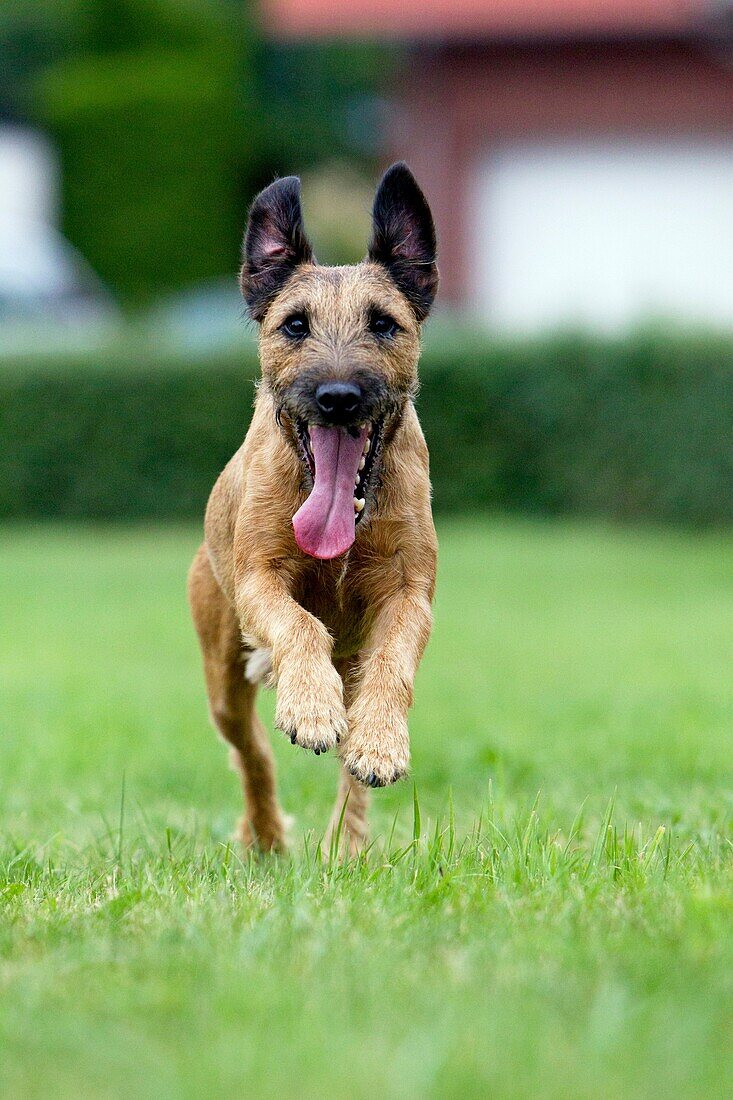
336 593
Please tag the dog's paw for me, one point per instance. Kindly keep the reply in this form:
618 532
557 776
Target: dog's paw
313 732
351 842
377 749
310 708
272 835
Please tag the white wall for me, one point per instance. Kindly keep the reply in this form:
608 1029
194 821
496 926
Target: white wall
28 177
29 260
38 267
604 234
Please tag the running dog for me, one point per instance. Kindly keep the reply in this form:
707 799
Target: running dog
318 567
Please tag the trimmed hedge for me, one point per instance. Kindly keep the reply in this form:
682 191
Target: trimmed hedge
634 427
639 427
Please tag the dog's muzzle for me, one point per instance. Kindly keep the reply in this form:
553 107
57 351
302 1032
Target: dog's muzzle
338 424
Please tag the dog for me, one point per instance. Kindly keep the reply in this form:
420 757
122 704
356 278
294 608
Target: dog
317 572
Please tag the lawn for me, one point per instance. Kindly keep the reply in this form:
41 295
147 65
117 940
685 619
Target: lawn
547 909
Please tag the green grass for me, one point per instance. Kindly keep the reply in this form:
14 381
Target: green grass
555 920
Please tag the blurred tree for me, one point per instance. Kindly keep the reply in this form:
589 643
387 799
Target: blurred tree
324 100
32 36
146 113
114 26
169 115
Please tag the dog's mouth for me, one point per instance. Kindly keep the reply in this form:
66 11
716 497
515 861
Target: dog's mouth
341 465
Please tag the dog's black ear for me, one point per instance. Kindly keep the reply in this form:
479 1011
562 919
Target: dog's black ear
274 244
403 237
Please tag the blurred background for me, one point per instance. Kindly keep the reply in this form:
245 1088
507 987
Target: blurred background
575 704
578 158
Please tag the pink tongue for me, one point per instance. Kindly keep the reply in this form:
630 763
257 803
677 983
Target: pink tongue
324 525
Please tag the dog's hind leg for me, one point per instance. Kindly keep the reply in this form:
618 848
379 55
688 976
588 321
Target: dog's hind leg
232 705
349 817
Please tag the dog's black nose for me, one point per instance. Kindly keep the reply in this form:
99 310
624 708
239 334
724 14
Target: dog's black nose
338 401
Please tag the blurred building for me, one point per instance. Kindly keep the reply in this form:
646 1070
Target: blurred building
41 275
578 154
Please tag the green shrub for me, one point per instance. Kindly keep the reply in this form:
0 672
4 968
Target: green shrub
639 427
103 437
169 115
148 177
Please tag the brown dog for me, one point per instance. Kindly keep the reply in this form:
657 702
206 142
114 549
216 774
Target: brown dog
318 568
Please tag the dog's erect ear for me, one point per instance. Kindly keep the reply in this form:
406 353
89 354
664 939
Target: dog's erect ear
274 244
403 237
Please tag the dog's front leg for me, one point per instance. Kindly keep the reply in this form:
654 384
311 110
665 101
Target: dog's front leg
377 749
310 706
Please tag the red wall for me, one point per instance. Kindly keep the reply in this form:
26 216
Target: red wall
454 103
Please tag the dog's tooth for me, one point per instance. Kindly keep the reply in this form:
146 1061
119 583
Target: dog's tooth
362 462
367 445
359 503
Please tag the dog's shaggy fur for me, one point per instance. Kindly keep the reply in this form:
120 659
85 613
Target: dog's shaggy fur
341 638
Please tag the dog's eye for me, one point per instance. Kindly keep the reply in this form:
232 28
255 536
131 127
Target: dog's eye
296 326
381 324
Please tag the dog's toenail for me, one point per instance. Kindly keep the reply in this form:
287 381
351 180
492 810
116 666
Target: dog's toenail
293 738
317 752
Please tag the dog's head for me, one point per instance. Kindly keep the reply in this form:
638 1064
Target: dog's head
339 346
